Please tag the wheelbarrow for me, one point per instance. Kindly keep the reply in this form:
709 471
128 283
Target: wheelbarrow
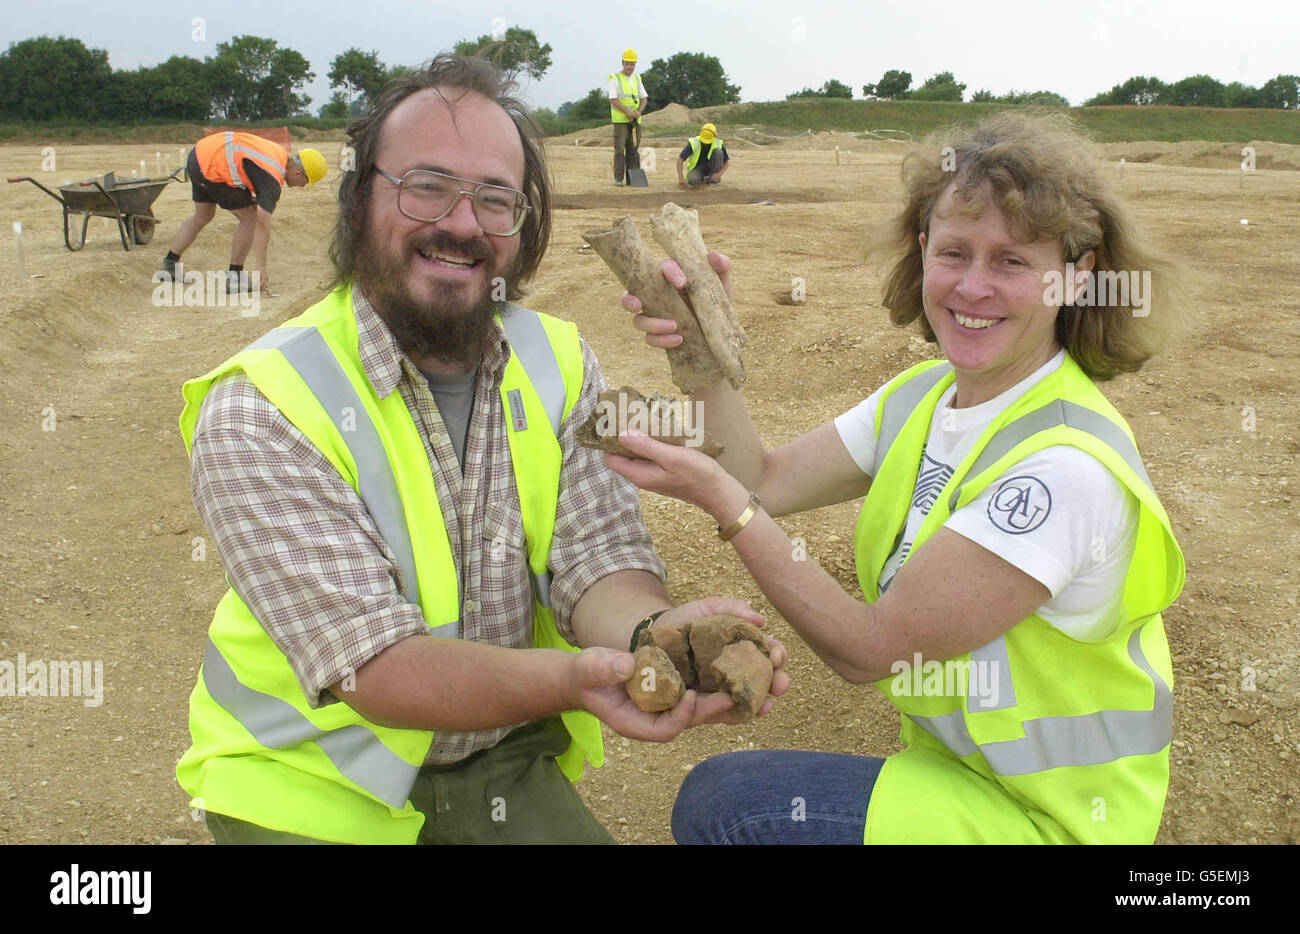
127 202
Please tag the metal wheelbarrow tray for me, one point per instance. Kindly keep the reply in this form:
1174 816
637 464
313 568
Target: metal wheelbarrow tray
127 202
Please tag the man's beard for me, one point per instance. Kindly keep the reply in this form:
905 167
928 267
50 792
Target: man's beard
450 327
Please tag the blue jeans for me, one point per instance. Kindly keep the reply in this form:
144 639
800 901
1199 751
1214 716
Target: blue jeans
776 796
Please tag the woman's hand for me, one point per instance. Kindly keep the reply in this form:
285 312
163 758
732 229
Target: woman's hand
662 332
680 472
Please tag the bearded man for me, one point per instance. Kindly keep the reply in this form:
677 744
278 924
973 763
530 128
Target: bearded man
416 545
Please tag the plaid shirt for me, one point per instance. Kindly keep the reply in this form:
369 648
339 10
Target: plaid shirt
302 551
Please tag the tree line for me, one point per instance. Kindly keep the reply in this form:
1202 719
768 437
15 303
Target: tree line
255 78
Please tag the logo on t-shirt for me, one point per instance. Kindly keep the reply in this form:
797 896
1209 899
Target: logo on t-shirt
930 479
1020 505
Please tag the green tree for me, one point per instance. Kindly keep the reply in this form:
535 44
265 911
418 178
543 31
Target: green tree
595 106
831 88
1282 92
338 107
1141 91
1195 91
690 78
1236 94
1038 98
940 87
518 52
893 85
253 79
54 79
359 75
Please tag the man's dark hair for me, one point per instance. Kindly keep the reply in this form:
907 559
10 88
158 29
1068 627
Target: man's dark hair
447 73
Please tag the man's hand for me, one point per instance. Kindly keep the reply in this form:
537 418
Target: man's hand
265 282
597 679
716 177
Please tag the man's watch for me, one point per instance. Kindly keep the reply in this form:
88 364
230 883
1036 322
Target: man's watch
644 624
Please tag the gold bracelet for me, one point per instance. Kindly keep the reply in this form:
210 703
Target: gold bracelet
751 510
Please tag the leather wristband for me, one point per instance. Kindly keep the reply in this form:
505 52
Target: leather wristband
645 623
751 510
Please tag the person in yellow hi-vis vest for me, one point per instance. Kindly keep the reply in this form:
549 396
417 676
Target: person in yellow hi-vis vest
1013 553
703 160
627 102
433 586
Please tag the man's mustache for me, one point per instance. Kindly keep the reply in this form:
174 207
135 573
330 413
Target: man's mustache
443 242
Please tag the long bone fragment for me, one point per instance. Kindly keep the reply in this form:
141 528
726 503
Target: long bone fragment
677 230
695 362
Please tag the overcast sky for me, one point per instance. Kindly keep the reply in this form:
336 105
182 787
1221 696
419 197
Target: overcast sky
769 48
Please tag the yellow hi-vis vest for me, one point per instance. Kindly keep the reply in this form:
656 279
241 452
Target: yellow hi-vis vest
631 96
1075 744
695 144
260 753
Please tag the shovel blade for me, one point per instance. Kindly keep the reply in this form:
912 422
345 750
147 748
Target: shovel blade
636 178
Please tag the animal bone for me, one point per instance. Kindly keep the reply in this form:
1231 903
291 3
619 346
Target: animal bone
661 417
711 333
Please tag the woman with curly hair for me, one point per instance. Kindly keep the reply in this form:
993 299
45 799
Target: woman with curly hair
1014 556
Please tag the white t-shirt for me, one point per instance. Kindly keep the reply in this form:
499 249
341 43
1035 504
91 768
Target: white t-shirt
615 91
1059 515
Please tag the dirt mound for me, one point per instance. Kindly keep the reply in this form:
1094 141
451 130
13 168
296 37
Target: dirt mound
671 115
1202 154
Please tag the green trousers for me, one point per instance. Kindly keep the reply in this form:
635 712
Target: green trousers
511 793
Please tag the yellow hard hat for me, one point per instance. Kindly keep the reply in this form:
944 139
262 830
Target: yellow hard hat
708 133
313 163
629 55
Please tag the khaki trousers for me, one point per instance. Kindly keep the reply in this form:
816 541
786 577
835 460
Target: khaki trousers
511 793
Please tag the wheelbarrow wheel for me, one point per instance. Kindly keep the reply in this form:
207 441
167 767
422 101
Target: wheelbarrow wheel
143 226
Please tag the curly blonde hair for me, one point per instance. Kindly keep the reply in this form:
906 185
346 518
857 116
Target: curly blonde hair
1046 178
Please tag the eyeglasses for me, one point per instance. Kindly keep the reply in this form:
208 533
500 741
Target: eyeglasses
428 196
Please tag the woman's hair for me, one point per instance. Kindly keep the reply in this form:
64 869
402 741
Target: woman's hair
1047 179
454 74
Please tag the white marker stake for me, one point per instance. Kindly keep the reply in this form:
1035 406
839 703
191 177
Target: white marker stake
837 155
1121 170
144 169
18 249
157 159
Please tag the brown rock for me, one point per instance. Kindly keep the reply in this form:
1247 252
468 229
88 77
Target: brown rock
1238 716
675 641
710 635
745 673
661 417
655 684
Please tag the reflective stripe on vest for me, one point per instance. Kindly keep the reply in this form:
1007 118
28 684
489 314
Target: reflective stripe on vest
899 406
528 340
1054 415
309 354
354 750
234 151
1057 742
697 148
631 96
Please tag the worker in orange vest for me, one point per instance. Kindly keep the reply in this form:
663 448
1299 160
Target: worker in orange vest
244 174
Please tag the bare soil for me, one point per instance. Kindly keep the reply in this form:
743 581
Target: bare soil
104 557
